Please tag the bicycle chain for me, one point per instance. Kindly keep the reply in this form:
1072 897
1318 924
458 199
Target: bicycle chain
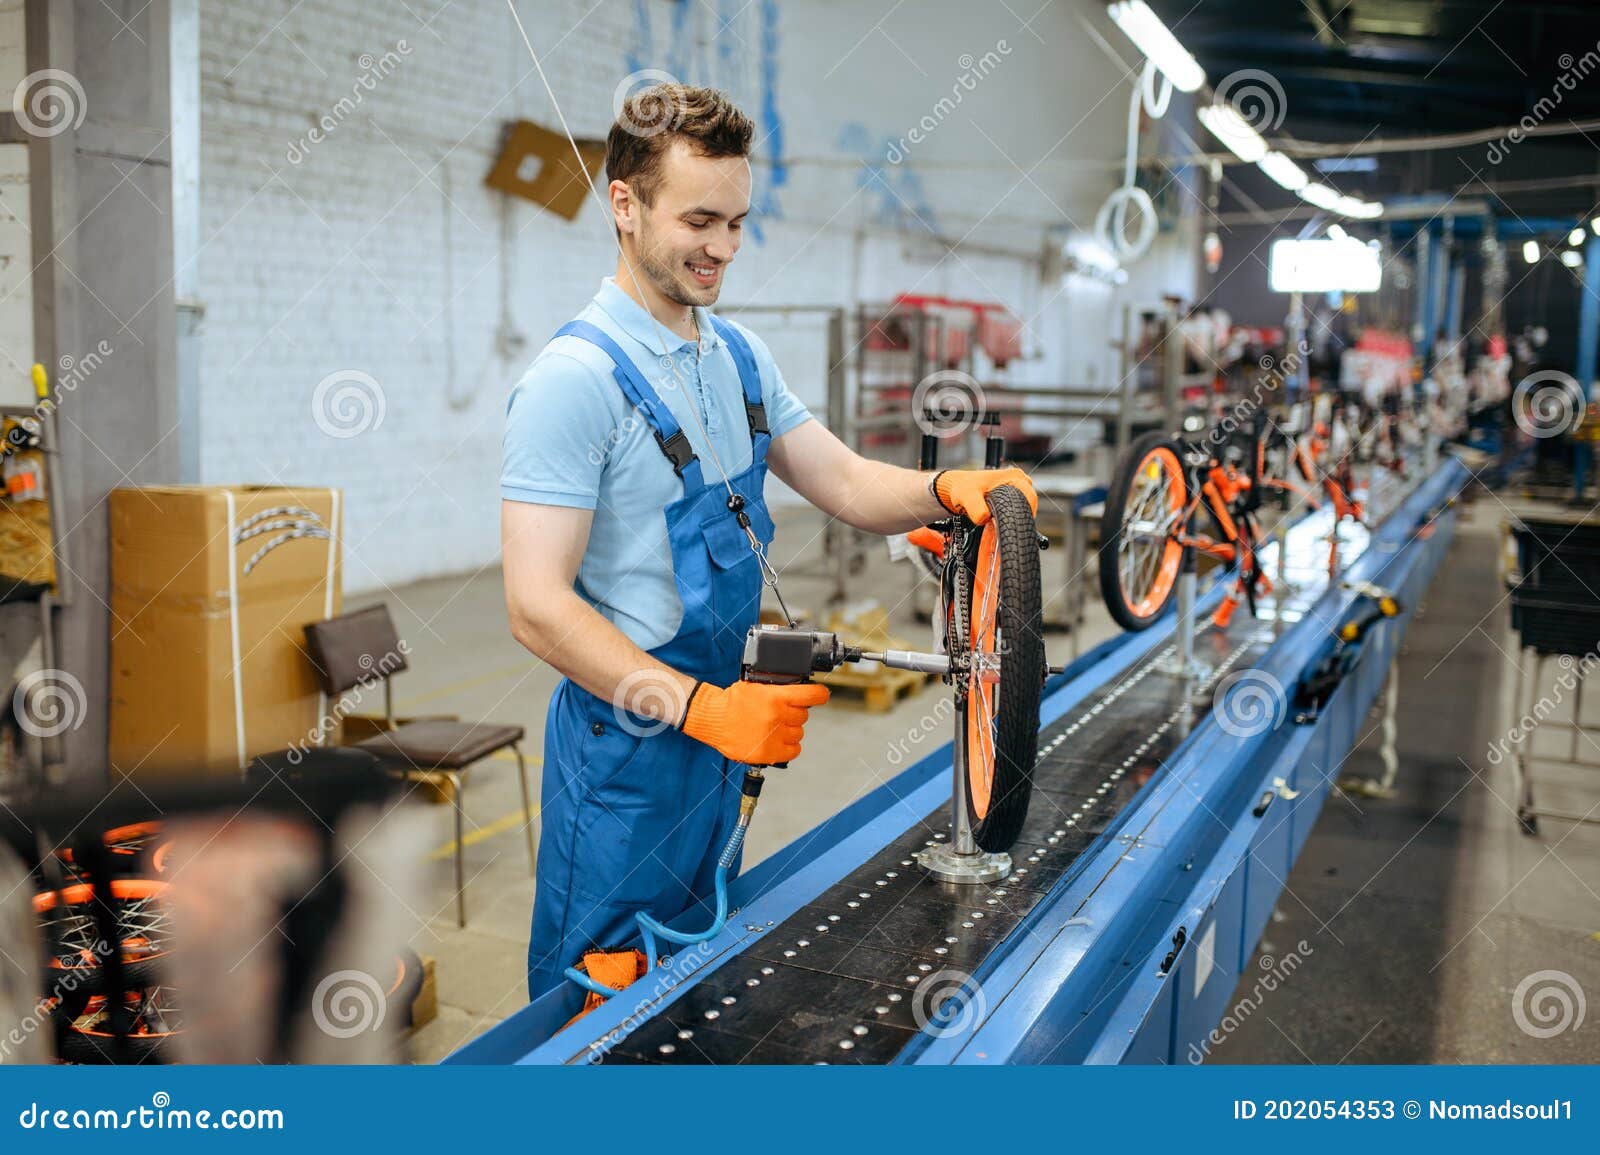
959 621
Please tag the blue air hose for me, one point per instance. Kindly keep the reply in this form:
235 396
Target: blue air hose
649 928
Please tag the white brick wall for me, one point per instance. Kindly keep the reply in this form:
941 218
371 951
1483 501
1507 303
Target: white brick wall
380 251
16 252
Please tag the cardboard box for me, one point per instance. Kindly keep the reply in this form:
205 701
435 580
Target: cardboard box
538 165
211 588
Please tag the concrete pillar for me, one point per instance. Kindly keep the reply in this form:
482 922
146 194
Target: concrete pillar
102 210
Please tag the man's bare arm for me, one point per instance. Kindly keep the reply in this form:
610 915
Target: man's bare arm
870 495
541 548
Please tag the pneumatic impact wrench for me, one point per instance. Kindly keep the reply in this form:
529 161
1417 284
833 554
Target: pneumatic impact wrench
782 656
774 655
788 655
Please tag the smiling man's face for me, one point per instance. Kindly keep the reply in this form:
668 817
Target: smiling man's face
684 241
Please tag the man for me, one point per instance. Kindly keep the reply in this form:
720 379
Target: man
636 448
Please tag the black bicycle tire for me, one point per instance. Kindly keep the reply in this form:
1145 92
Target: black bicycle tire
101 1050
401 999
137 974
1020 620
1116 504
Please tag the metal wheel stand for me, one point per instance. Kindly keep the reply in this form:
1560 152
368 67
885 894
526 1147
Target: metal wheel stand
960 860
1283 587
1182 663
1388 751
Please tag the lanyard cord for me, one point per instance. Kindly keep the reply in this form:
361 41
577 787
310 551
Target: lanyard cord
769 575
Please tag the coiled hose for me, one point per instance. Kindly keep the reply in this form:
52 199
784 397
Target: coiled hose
650 929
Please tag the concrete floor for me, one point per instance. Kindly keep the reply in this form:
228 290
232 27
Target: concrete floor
1426 912
1423 911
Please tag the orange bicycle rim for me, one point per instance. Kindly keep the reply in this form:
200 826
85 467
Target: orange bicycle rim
983 683
1162 465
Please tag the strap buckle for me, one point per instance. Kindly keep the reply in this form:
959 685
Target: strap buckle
677 449
756 415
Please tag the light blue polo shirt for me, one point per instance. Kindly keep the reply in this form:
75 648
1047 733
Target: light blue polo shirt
573 440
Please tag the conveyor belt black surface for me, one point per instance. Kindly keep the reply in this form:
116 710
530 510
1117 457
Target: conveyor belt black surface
851 976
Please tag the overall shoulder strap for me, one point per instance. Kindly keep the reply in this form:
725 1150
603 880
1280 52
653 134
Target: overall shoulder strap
669 434
744 361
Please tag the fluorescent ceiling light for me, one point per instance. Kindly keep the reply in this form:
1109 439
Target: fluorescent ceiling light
1283 170
1359 209
1595 225
1337 202
1530 251
1321 266
1320 195
1234 131
1575 237
1157 42
1336 231
1572 258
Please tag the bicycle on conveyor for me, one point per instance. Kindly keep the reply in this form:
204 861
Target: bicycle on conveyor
1162 487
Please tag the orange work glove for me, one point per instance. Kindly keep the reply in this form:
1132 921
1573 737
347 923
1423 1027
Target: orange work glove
928 538
963 490
752 722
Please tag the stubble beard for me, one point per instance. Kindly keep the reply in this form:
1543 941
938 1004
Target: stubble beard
667 280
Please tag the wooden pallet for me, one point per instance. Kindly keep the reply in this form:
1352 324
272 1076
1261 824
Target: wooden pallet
877 690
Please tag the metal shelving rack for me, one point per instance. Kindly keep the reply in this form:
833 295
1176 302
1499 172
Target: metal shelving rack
843 549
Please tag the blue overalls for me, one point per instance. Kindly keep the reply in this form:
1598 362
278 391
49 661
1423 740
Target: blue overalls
634 817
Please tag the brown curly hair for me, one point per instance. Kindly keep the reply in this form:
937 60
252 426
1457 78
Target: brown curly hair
652 118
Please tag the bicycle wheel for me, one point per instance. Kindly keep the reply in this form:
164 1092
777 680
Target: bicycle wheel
67 922
1000 630
136 849
1139 556
153 1024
